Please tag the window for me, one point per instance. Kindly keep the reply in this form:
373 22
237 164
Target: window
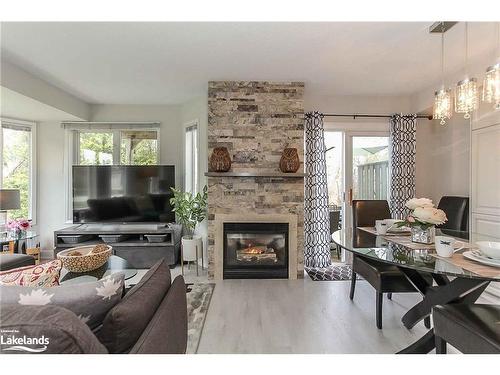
17 160
108 144
138 147
191 158
113 147
95 148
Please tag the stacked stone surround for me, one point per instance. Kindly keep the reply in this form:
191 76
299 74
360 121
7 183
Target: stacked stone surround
256 121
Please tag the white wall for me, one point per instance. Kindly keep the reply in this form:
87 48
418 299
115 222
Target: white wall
356 104
443 158
51 183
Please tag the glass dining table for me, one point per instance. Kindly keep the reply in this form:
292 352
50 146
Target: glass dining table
455 280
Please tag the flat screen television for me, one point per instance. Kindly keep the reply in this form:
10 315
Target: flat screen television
123 194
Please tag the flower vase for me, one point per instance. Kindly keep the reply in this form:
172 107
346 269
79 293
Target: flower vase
423 235
16 233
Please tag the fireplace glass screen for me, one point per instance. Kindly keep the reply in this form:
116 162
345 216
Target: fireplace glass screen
255 250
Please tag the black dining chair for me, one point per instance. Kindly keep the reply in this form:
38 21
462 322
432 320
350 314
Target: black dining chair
470 328
334 226
383 277
457 212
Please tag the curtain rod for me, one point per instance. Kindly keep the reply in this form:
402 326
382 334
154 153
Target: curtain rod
354 116
109 122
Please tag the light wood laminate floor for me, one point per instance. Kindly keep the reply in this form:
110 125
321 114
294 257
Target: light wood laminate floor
302 316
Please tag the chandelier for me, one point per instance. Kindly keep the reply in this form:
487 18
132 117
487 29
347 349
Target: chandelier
442 98
491 86
466 97
442 105
466 93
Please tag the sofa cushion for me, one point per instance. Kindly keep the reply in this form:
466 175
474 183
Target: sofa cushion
90 301
11 261
45 329
125 322
42 275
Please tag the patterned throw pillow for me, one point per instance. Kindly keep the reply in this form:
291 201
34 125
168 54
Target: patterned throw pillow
41 275
89 301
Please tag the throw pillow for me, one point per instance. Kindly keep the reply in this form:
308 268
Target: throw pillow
125 323
56 330
41 275
90 301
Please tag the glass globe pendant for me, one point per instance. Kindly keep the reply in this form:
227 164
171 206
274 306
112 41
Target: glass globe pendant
466 94
442 98
466 99
491 86
442 105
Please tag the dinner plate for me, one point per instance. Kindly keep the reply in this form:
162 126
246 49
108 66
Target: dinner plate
481 259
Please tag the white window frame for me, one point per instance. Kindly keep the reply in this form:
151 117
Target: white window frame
33 192
186 126
72 148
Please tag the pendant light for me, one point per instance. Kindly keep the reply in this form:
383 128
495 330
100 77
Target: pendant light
491 84
466 95
442 98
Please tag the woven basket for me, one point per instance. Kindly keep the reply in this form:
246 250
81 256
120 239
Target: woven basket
86 262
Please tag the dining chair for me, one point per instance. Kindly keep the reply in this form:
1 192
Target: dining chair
383 277
334 215
470 328
457 212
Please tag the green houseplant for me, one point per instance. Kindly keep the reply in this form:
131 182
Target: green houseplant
190 209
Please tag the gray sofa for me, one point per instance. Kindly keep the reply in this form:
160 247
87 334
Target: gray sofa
151 318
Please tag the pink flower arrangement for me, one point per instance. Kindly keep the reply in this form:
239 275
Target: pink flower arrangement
18 224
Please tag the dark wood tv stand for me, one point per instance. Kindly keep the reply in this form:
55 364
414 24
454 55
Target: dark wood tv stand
135 247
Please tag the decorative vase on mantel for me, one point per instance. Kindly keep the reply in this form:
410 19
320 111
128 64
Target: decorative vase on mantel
289 162
220 161
423 235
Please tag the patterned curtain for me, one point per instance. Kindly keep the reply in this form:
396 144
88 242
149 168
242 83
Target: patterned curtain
316 218
402 163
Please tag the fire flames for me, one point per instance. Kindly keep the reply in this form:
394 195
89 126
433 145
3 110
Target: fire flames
253 250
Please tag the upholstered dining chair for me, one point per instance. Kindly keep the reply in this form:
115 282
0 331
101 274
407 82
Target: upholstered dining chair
471 328
383 277
457 212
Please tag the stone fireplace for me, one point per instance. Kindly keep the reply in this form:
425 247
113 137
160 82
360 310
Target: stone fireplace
255 212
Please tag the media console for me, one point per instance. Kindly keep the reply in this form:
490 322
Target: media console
132 244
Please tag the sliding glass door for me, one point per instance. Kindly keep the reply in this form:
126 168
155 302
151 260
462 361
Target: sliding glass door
357 165
367 168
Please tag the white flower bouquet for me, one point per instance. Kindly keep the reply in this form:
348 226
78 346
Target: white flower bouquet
423 214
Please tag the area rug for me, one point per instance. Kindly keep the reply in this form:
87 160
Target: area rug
335 272
198 301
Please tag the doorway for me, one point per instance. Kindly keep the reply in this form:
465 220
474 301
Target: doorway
357 165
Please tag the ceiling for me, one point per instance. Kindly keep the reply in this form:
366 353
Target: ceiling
18 106
159 63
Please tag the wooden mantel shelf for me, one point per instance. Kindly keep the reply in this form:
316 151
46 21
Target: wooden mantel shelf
256 174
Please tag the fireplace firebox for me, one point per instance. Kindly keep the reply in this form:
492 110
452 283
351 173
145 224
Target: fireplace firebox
255 251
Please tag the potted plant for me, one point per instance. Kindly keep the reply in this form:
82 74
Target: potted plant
422 220
190 209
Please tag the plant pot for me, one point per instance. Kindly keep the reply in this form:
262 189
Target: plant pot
190 245
289 162
421 235
220 161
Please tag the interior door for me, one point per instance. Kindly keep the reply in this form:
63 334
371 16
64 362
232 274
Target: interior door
366 169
